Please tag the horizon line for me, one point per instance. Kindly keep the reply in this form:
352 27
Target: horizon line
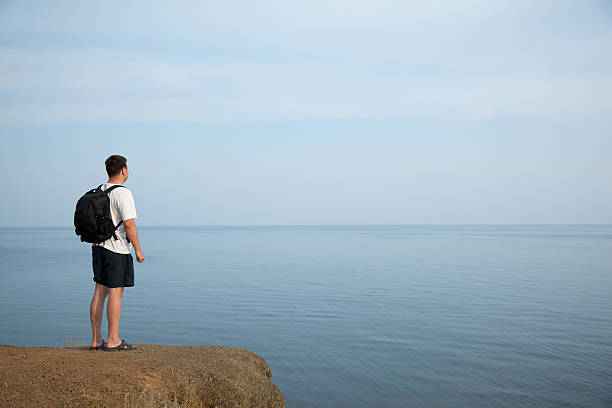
319 225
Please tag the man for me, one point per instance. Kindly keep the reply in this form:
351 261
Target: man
113 267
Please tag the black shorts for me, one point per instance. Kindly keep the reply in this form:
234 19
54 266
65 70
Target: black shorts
112 269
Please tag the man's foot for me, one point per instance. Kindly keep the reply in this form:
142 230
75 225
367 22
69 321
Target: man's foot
123 346
98 347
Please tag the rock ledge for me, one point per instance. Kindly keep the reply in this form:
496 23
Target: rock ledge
152 376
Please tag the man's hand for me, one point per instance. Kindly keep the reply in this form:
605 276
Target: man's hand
140 257
132 233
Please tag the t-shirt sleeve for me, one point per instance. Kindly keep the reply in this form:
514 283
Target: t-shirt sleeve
127 208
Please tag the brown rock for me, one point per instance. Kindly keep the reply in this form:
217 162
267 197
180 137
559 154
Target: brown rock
152 376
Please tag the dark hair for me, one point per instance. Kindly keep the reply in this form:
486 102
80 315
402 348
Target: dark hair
114 164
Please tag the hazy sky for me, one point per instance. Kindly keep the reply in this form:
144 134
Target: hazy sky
318 112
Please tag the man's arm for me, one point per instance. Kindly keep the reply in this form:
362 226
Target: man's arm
132 233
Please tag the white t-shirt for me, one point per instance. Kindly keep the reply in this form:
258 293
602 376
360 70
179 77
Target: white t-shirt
122 208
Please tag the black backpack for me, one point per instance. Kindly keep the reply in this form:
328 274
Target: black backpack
92 216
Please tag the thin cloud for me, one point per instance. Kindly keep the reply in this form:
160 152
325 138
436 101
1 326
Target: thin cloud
201 62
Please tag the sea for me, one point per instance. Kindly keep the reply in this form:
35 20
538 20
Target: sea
350 316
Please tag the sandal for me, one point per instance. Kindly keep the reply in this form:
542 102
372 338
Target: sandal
100 347
122 346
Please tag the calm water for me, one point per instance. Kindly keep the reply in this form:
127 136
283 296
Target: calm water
390 316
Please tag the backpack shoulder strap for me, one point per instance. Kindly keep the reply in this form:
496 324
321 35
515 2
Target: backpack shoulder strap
111 188
107 191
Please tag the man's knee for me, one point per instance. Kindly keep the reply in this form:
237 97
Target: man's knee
100 292
115 292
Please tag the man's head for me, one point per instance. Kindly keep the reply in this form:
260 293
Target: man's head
116 167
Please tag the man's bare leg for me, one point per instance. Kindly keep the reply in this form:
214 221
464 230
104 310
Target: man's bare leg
96 309
113 313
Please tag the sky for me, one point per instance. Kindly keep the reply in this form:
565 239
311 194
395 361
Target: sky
319 112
